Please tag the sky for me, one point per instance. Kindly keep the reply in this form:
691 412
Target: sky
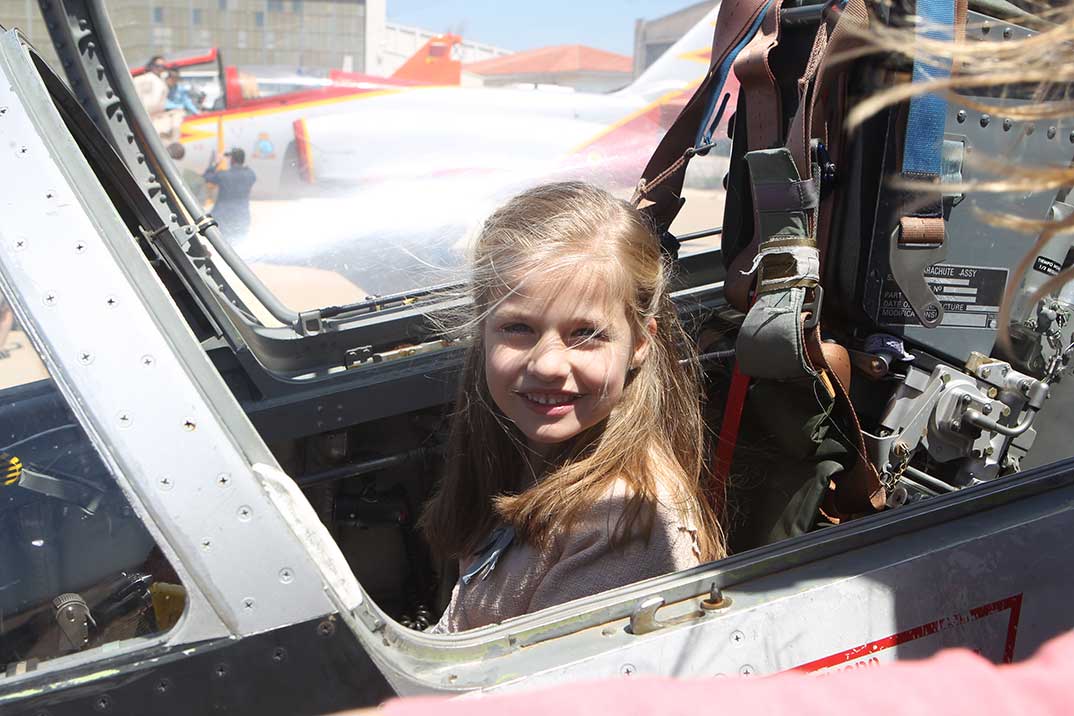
515 25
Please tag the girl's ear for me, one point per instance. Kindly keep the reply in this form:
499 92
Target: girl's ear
641 347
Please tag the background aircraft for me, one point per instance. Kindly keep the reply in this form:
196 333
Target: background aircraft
383 187
385 132
228 89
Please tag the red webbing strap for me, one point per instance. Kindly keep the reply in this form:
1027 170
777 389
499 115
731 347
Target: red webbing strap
728 436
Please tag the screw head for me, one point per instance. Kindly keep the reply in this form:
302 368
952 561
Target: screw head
737 637
189 425
125 420
287 575
244 513
206 545
326 628
111 301
1007 33
80 247
50 298
163 685
220 671
102 703
746 670
223 479
961 116
148 360
165 483
85 357
1051 132
20 244
1007 124
279 655
248 603
985 119
627 669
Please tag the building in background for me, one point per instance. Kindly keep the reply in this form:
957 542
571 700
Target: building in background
653 37
583 68
315 34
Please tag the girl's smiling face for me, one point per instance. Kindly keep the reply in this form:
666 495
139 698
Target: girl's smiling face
557 358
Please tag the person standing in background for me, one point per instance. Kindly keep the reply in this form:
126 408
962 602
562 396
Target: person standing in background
232 208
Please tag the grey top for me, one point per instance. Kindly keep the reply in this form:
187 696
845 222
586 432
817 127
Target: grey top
578 563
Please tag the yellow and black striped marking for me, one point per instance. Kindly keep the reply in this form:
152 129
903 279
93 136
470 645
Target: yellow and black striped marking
10 468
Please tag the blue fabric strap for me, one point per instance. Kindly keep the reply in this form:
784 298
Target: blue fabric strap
928 112
489 554
709 123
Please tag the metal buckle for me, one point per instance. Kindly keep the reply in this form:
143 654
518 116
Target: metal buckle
813 306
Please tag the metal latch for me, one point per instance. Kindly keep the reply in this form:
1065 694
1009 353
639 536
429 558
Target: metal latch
74 619
643 620
310 323
359 356
908 259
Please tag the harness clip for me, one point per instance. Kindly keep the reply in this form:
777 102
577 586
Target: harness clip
813 306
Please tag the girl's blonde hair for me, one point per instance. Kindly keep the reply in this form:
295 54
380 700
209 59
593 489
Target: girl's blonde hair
654 438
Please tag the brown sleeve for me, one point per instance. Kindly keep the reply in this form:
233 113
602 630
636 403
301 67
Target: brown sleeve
589 564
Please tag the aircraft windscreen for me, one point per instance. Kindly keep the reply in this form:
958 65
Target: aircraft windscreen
352 181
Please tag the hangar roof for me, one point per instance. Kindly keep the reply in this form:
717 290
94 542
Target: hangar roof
559 58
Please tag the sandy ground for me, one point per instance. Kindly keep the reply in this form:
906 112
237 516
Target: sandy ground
703 210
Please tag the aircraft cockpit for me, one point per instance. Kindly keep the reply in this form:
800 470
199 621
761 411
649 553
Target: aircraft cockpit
215 440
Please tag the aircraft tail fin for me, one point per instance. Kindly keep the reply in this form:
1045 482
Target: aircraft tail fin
683 65
433 64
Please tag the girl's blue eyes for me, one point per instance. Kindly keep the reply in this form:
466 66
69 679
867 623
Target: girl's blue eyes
590 334
515 328
579 334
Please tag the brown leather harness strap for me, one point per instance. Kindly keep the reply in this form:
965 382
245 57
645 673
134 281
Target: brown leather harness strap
659 191
756 79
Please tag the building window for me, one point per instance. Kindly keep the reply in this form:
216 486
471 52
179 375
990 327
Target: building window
195 16
158 16
259 19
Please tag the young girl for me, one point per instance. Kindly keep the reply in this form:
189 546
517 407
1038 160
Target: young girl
575 455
